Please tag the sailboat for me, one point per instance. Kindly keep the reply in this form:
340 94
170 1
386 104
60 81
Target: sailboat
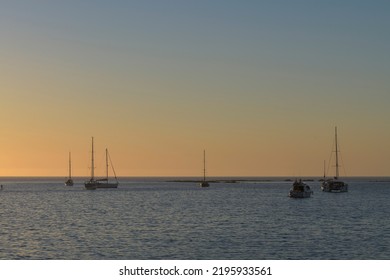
334 184
69 182
204 183
103 183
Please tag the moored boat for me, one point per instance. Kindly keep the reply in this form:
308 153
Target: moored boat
69 181
204 183
92 183
334 184
300 190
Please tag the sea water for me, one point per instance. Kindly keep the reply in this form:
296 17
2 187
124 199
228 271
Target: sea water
152 218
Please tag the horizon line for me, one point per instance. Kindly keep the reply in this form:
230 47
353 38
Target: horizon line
193 176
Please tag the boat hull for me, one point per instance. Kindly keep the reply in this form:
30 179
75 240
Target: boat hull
334 186
69 183
93 185
204 184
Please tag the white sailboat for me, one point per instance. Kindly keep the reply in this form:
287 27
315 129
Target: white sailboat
204 183
334 184
69 181
103 183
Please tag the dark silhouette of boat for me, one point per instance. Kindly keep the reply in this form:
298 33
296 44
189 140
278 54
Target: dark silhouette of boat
334 184
69 181
300 190
102 183
204 183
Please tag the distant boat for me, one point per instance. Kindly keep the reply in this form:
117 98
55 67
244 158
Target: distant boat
334 184
69 182
300 190
103 183
204 183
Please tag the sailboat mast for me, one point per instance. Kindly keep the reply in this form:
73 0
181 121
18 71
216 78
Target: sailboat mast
106 165
92 163
204 165
324 169
70 166
337 157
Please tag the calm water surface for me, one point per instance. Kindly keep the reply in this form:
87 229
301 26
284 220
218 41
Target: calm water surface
155 219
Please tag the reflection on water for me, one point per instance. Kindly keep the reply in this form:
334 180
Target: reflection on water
42 219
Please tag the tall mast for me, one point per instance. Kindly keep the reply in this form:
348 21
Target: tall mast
70 166
92 163
324 169
204 165
106 165
337 158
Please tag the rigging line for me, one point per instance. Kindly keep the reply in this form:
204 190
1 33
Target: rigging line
112 166
342 161
330 158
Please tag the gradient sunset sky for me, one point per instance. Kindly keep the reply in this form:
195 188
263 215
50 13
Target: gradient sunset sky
259 84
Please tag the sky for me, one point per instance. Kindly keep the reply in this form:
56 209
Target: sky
259 85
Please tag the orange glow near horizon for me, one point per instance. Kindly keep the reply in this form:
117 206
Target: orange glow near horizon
255 155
